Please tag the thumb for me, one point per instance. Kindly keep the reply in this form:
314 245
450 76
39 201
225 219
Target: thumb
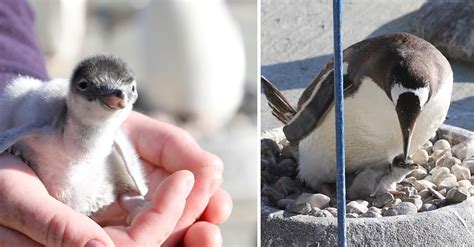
28 208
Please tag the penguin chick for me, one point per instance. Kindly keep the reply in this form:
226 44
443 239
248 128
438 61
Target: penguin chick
69 132
378 179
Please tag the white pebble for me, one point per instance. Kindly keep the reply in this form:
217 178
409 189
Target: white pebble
461 172
450 162
423 185
465 183
441 145
448 181
464 149
440 153
355 207
469 163
439 174
420 157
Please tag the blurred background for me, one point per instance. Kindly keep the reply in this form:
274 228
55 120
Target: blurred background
196 65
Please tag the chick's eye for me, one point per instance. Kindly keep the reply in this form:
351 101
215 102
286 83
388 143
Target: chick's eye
133 88
82 85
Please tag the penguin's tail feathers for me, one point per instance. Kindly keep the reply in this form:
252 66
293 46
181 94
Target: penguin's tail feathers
280 106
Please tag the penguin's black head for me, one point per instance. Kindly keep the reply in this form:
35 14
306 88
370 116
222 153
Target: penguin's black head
105 79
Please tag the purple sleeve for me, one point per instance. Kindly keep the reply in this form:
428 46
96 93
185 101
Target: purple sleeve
19 50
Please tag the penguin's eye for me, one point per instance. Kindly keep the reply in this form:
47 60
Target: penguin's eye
133 88
83 85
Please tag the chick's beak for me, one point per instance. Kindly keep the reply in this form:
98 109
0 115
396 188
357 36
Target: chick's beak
115 100
408 109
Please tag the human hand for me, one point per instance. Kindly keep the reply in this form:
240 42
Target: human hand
39 219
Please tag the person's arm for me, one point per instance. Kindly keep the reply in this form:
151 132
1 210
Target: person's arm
20 53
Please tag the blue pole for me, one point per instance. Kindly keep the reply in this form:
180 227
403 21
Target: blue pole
339 108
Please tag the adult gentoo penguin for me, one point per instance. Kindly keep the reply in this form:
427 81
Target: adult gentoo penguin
397 90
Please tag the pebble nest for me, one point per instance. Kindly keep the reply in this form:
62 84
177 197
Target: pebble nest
444 177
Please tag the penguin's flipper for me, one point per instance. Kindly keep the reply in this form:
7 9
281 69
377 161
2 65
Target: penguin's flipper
280 106
313 110
127 166
12 136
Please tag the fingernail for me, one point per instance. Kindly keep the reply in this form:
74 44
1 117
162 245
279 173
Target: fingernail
94 243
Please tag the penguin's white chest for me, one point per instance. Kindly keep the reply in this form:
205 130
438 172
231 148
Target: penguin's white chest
372 133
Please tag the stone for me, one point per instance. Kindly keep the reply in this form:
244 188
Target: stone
427 207
438 202
286 186
465 183
267 177
464 150
428 146
332 210
394 202
356 207
416 200
352 215
284 203
269 150
314 211
448 26
471 190
370 214
440 173
429 178
449 162
408 191
374 210
382 200
441 145
409 181
299 208
420 185
418 173
457 195
469 163
420 157
424 194
363 202
443 192
271 193
440 153
286 167
287 152
436 194
448 182
323 213
264 164
403 208
314 200
461 172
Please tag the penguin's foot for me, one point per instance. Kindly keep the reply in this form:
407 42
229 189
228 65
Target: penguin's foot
396 193
132 203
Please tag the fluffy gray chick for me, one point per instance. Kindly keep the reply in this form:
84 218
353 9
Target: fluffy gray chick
68 131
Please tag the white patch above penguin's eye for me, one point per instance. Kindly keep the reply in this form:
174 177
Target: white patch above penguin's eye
398 89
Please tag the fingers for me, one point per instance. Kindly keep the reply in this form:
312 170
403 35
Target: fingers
219 208
153 225
9 237
28 208
203 234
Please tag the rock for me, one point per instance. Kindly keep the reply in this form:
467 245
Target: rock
420 185
464 150
284 203
286 186
443 192
448 26
332 210
269 150
265 201
438 202
424 194
375 210
352 215
356 207
465 183
440 153
429 178
293 196
461 172
427 207
418 173
264 164
363 202
428 146
457 195
403 208
286 167
323 213
420 157
314 200
299 208
441 145
449 162
469 163
271 193
471 190
394 202
314 211
267 177
448 181
287 152
370 214
436 193
440 173
409 181
408 191
416 200
383 199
